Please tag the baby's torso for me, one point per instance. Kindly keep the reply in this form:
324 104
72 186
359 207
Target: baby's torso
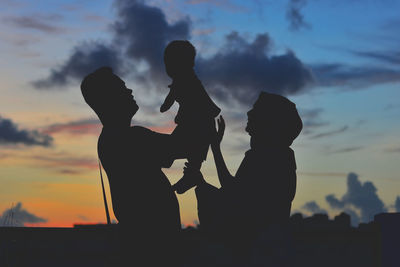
194 102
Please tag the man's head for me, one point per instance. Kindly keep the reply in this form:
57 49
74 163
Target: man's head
108 96
179 57
274 119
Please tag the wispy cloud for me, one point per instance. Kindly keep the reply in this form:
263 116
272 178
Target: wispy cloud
223 4
79 127
353 77
330 133
392 57
39 22
346 149
295 16
66 163
312 120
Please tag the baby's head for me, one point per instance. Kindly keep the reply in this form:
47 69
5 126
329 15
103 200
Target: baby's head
179 57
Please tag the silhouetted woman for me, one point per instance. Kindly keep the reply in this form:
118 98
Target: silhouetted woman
258 198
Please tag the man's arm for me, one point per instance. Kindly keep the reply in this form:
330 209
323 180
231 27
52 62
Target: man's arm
224 176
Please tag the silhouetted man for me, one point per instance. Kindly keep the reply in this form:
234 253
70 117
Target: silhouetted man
258 198
142 197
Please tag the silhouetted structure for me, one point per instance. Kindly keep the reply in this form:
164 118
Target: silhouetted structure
330 244
389 226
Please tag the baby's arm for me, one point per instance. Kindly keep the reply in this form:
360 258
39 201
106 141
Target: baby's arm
168 102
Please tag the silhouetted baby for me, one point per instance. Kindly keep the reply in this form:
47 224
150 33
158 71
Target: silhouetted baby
196 115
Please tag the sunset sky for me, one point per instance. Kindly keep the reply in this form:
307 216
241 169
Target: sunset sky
339 61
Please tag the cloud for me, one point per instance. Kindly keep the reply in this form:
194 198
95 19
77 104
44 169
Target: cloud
241 69
83 218
66 163
361 196
225 4
11 134
346 149
139 35
313 207
295 16
392 57
353 77
94 126
334 202
39 22
17 216
79 127
84 59
331 133
312 120
144 31
397 204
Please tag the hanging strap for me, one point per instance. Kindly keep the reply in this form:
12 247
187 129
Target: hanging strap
104 195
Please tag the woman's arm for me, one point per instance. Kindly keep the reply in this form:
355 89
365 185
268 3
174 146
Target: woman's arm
224 176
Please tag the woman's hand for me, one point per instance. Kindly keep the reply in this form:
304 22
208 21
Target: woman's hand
220 131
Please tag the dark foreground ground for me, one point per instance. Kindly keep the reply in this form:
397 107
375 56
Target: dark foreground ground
315 243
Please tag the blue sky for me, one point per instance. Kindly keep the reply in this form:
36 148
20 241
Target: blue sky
350 103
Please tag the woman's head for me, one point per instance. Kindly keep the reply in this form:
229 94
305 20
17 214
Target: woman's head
108 96
274 119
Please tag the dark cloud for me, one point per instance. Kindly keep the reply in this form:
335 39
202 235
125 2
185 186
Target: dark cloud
361 196
353 77
334 202
397 204
145 32
39 22
241 69
11 134
331 133
295 16
17 216
84 59
313 207
139 35
392 57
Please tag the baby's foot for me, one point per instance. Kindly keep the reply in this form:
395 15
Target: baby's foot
189 179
